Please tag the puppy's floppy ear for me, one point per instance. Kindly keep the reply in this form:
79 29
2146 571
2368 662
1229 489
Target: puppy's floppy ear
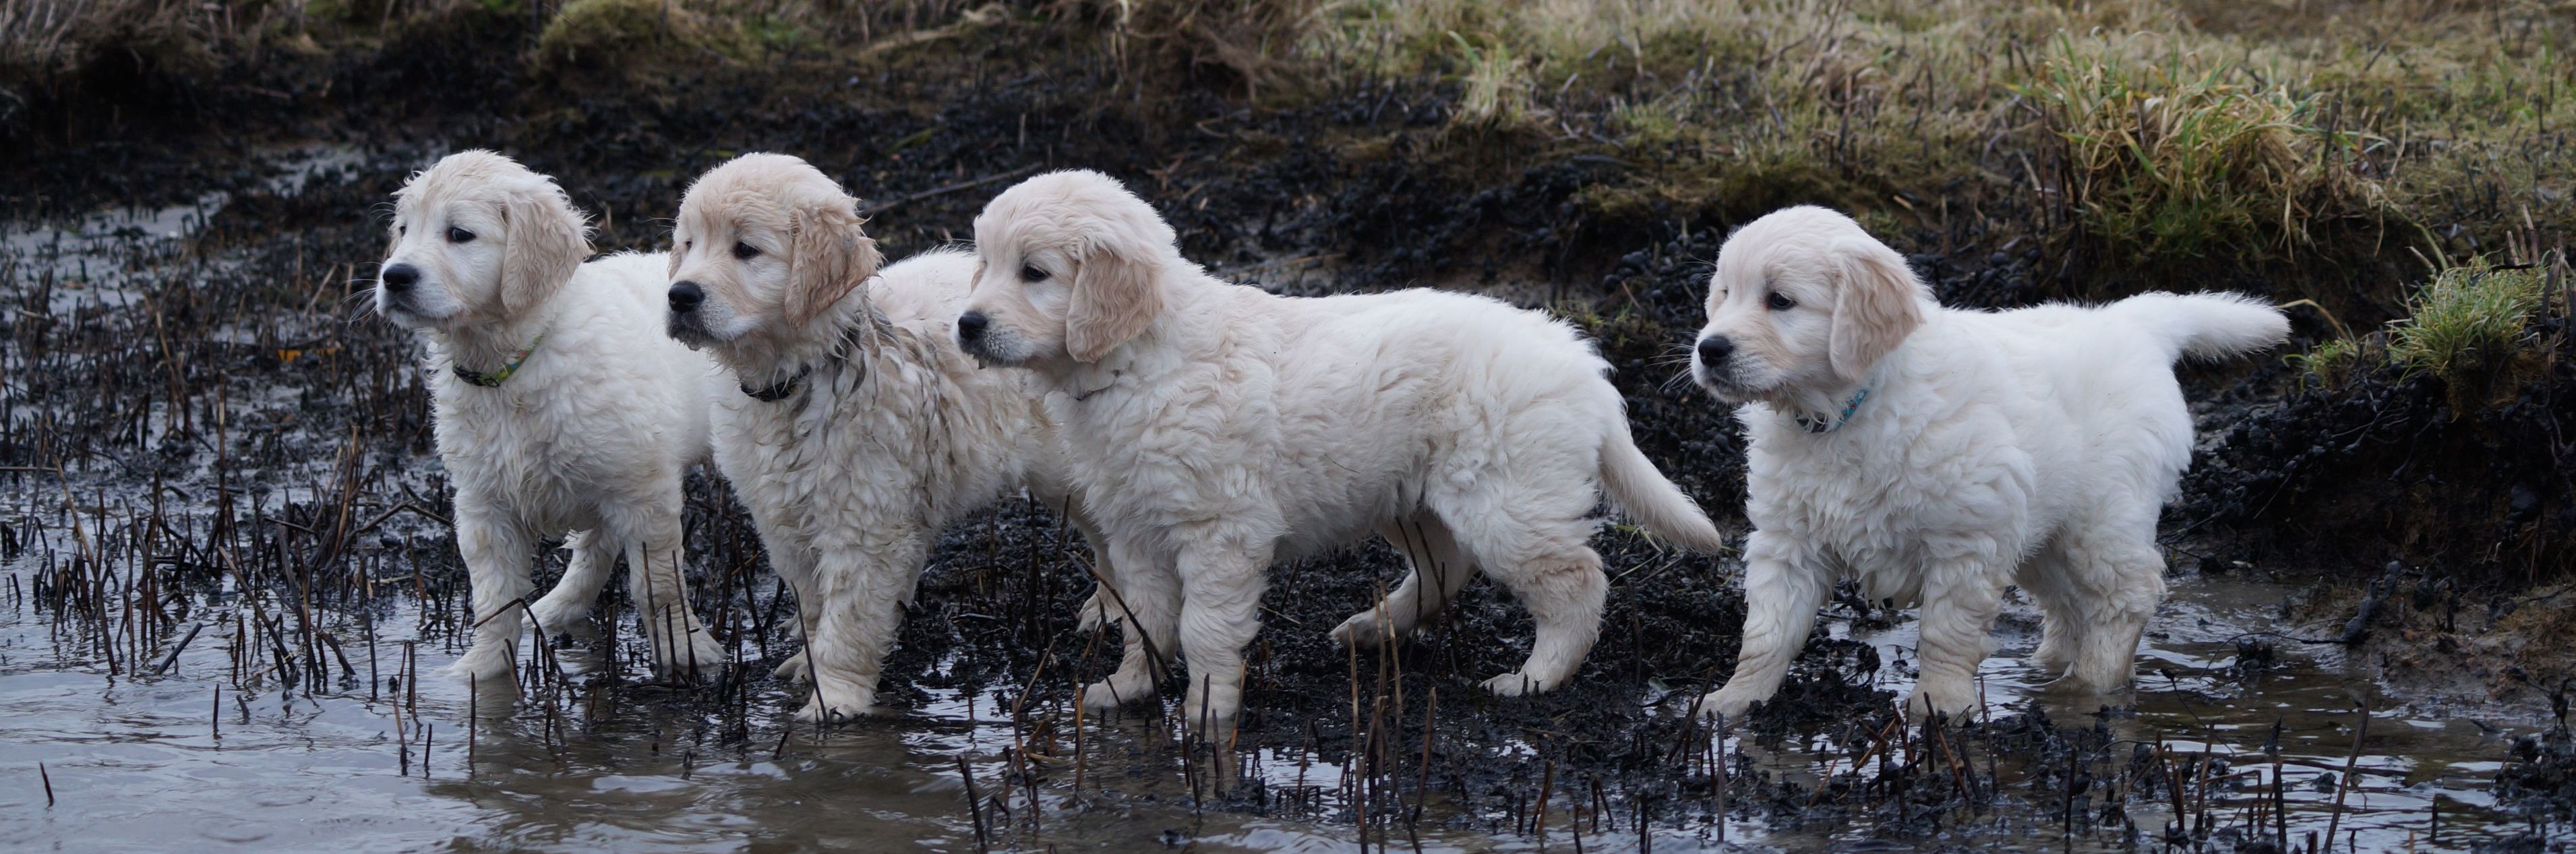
1114 298
542 245
828 257
1875 305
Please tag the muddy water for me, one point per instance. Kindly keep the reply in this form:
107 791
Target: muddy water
277 527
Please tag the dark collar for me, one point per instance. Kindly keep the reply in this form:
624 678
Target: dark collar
495 378
1828 424
783 390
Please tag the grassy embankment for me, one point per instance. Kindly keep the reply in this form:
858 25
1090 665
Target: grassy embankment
2137 141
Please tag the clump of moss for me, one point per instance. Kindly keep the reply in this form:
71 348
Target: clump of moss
2333 363
632 36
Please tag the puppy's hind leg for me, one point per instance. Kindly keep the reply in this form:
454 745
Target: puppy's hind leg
1533 541
1782 591
1430 549
2049 579
2124 577
593 555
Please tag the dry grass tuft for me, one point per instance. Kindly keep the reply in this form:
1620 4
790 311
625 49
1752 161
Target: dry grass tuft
2169 153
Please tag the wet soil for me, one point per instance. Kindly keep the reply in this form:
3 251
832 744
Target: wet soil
226 551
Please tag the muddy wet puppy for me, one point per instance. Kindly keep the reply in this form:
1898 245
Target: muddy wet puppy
1219 429
558 410
849 423
1936 455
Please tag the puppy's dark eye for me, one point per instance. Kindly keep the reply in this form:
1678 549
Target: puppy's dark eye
401 230
459 235
1031 273
1780 302
745 251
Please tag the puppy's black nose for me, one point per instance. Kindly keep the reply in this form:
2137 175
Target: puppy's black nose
399 277
1715 348
685 296
970 326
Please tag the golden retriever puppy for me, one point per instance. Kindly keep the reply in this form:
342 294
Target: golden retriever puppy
1936 455
847 420
1219 429
557 409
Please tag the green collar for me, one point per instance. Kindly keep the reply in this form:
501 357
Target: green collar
496 378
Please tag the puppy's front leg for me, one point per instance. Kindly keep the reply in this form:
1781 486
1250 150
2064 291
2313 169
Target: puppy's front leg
795 566
1220 613
1148 607
1103 607
1781 594
1960 599
497 552
593 555
862 589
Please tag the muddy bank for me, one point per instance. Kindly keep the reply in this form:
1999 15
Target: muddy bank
208 436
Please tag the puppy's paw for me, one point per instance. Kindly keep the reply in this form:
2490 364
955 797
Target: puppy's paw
837 706
484 668
692 659
795 669
1953 697
1095 614
1212 714
1115 691
556 616
1728 701
1518 683
1361 630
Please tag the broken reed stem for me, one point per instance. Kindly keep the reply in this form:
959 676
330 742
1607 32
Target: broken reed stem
2334 820
974 802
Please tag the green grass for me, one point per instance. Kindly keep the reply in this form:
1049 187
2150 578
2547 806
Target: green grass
2467 319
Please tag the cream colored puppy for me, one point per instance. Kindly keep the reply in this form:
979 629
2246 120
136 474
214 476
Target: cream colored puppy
1219 429
557 409
847 420
1936 455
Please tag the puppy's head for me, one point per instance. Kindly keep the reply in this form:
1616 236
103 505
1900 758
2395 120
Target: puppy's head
1069 267
765 245
1803 300
477 238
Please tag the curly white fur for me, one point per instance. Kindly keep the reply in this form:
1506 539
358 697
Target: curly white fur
2031 447
1219 429
589 436
881 433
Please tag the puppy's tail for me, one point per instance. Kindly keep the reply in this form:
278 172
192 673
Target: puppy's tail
2205 325
1657 505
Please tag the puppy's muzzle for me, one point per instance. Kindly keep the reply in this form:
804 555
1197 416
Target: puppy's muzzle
970 330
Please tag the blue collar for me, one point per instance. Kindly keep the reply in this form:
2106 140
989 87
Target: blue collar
1819 425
